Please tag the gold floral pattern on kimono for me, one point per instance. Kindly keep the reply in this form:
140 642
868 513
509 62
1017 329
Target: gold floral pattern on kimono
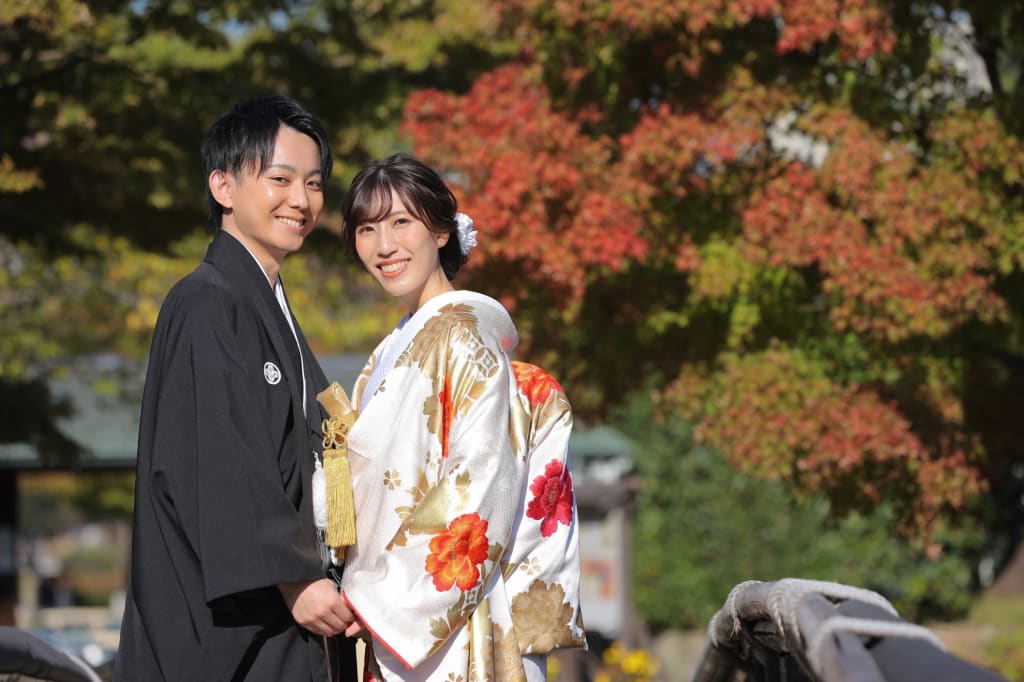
494 652
442 464
446 401
429 507
431 335
508 659
542 618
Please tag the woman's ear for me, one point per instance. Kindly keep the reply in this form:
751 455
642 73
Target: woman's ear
220 188
442 239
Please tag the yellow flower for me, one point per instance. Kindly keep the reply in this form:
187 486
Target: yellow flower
613 654
635 663
622 663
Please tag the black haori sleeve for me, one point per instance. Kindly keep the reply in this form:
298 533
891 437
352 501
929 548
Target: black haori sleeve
216 524
249 533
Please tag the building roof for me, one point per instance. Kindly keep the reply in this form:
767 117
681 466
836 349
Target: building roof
105 393
601 454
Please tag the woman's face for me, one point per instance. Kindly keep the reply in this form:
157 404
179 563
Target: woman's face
402 255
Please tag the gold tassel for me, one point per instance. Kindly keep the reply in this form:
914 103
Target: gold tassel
341 518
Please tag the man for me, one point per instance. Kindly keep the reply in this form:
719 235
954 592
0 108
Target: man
227 576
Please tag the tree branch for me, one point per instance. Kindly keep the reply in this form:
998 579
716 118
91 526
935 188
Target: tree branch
28 82
988 45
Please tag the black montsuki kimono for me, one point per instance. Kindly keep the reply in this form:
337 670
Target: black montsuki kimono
223 507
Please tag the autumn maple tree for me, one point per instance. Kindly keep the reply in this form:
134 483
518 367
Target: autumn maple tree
801 220
805 217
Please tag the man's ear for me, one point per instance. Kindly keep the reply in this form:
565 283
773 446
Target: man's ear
220 188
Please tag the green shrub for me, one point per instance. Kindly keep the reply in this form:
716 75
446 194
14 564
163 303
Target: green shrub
702 527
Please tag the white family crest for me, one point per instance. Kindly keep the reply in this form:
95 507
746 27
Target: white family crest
271 373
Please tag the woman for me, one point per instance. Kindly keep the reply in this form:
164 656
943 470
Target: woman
466 563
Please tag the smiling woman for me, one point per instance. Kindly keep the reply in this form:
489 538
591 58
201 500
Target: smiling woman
403 254
460 449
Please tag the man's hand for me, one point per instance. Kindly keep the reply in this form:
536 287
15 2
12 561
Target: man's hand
317 606
355 628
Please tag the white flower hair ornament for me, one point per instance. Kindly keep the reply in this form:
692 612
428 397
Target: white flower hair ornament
467 235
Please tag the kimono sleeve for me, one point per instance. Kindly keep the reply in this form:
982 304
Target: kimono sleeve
248 532
543 574
444 560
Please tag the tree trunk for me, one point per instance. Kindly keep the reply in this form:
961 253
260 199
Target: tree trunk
8 526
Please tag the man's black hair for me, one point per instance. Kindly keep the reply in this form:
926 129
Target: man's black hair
242 140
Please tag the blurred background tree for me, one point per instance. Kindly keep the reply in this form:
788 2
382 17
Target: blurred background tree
795 225
101 201
803 219
703 527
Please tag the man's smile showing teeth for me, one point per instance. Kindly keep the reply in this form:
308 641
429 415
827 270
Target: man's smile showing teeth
291 222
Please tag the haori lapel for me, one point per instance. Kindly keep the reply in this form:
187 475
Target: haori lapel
227 254
315 379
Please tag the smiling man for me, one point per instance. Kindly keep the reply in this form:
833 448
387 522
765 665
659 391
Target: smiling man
227 576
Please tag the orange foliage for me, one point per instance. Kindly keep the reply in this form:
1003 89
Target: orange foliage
776 414
861 27
801 284
900 260
543 188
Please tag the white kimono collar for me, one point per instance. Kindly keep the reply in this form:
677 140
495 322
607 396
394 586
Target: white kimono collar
494 319
493 315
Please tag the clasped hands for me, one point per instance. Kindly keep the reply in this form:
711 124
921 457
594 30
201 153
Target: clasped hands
318 607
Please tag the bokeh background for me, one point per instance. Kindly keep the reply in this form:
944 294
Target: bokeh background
773 249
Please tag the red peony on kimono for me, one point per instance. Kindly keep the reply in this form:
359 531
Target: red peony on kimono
466 556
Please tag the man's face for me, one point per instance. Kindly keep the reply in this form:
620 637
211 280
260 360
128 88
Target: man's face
271 213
